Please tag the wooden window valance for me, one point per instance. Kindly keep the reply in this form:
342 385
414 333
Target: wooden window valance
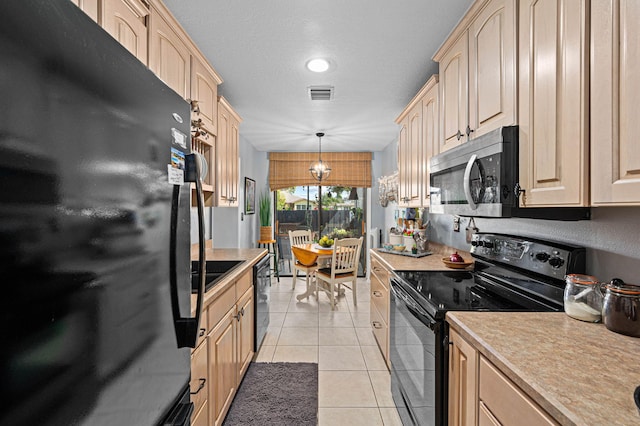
288 169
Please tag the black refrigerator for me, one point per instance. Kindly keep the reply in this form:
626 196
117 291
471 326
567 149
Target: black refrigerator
95 188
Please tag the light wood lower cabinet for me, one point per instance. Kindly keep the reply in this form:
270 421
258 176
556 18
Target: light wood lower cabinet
463 393
481 394
380 307
222 366
223 353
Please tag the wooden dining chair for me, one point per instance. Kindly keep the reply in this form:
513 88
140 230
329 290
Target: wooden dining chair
343 269
301 237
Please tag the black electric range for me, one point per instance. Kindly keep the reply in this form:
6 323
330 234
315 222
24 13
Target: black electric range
510 274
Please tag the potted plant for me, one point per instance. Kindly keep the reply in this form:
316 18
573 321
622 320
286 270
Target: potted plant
264 203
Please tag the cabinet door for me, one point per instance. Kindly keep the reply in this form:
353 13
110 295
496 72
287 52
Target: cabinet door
492 68
463 374
245 332
403 178
223 372
553 101
169 57
615 89
430 135
413 156
204 91
234 163
126 21
454 94
90 7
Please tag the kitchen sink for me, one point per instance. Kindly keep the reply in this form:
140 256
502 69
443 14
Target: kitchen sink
215 270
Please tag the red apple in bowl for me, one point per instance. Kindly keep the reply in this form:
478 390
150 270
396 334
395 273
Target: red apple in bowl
455 257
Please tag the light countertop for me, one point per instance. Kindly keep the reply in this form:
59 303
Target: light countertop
579 372
433 262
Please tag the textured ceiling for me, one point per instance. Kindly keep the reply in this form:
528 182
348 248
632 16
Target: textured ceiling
380 52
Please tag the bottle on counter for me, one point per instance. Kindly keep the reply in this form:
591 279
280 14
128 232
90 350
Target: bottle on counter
583 298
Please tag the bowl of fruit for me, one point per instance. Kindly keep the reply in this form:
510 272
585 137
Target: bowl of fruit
398 247
325 242
455 261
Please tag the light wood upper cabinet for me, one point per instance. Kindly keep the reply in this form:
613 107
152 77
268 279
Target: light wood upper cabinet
418 133
553 103
615 90
430 136
169 56
126 21
409 159
204 95
90 7
477 67
492 68
454 90
463 388
227 154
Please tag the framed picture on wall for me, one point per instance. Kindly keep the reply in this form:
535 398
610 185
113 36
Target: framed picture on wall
249 196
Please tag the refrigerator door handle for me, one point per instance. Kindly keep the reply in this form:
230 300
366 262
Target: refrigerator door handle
187 327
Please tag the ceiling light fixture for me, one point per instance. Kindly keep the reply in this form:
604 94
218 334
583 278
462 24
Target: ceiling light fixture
318 65
319 170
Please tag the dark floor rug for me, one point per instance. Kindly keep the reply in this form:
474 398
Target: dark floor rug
278 393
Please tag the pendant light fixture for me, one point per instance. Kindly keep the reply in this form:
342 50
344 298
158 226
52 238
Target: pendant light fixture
319 170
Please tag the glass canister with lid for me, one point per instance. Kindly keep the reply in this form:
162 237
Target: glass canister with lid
583 298
621 308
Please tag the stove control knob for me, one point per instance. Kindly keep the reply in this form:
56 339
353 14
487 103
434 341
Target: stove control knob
487 244
475 243
556 262
542 256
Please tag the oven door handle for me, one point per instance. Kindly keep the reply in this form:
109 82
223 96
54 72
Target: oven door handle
411 304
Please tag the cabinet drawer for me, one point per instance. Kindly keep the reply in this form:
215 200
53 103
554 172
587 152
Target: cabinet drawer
380 332
380 298
380 271
199 387
243 283
223 304
508 404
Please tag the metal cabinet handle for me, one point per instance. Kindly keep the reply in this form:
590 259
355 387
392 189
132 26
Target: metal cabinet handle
459 135
469 131
202 332
377 293
202 382
376 325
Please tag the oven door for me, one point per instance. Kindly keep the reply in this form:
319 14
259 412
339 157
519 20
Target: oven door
417 360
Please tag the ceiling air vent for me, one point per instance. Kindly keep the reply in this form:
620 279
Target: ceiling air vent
321 93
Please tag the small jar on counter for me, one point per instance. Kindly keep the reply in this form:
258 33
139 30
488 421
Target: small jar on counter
621 308
583 298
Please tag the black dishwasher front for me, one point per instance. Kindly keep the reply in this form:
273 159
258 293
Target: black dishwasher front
262 290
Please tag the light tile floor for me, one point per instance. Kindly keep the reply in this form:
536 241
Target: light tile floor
353 380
